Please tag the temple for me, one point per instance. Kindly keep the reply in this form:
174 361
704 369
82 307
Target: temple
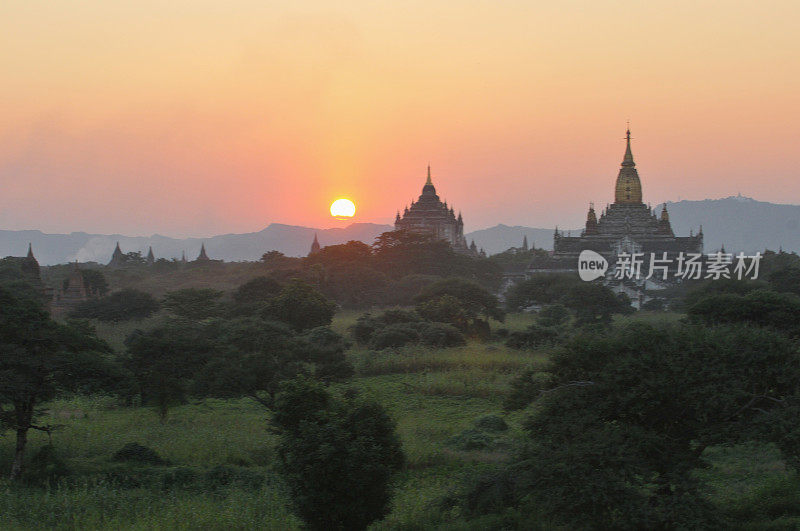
430 215
202 257
315 247
627 225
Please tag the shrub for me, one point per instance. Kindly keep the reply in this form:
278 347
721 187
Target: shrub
491 423
440 335
135 452
471 439
533 337
395 335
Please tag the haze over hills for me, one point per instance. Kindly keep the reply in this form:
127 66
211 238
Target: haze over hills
740 223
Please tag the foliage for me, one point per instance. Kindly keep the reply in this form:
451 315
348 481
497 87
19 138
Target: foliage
258 290
592 303
491 423
325 349
194 303
535 336
137 453
338 456
123 305
757 307
396 328
622 420
300 306
476 300
552 315
39 359
400 253
164 361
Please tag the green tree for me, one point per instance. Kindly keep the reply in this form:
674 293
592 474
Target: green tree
39 359
120 305
165 360
257 291
758 307
476 300
337 455
300 306
194 303
253 357
622 421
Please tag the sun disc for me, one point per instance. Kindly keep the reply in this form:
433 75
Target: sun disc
343 208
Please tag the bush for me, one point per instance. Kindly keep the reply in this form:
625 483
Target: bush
135 452
366 325
533 337
430 334
123 305
394 336
440 335
491 423
471 439
553 315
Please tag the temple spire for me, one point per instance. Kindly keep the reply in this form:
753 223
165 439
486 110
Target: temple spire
429 175
628 159
30 250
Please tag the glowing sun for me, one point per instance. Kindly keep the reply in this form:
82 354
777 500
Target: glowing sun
343 209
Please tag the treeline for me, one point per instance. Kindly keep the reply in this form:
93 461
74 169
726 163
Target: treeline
391 272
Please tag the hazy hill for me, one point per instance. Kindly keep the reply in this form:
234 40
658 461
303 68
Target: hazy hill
290 240
740 223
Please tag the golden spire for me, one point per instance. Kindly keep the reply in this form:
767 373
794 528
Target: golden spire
628 188
627 160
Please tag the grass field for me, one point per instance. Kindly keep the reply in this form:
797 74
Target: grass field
220 452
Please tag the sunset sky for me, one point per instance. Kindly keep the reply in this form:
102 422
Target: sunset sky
194 117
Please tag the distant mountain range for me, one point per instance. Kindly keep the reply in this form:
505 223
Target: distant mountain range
739 223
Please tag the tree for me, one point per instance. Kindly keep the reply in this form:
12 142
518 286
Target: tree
594 304
257 291
758 307
121 305
337 456
538 290
446 309
194 303
40 358
252 358
477 300
622 420
399 253
300 306
165 360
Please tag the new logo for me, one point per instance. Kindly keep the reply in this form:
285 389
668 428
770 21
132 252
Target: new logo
591 265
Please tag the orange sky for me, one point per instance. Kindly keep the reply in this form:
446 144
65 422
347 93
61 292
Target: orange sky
195 117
